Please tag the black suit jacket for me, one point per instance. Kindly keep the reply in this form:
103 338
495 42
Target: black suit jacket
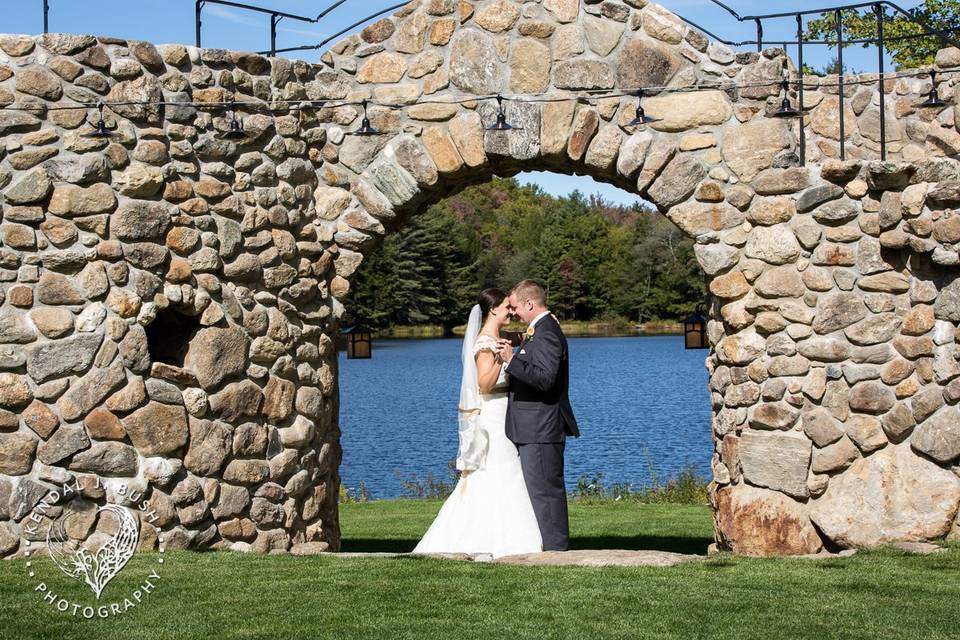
539 403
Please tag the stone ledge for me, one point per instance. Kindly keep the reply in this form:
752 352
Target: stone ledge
579 558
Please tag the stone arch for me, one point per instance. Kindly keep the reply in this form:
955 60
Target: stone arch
835 309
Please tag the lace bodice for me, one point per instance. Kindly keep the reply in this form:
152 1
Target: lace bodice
488 343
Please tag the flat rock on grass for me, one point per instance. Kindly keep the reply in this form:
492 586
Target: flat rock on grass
919 548
605 558
580 558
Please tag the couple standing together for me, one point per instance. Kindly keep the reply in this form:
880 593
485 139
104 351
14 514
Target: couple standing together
515 415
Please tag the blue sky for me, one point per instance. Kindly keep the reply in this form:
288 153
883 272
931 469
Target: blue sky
168 21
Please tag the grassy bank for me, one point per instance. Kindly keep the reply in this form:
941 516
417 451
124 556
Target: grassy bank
573 328
884 594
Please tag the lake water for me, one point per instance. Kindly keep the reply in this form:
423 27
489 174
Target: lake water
641 402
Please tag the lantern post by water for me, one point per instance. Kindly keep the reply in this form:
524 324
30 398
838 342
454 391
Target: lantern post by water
359 342
695 329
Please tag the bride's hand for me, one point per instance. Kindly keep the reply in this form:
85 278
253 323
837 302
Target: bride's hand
506 350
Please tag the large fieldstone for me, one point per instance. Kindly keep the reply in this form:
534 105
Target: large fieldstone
383 67
157 428
755 146
602 34
893 495
776 244
68 355
838 311
583 74
210 443
776 460
947 305
137 99
90 391
677 182
246 472
474 64
70 200
563 10
14 391
646 63
39 82
529 67
498 16
236 400
821 427
108 459
757 522
216 354
138 221
14 328
278 397
871 397
12 121
939 435
32 186
683 111
779 282
16 453
66 441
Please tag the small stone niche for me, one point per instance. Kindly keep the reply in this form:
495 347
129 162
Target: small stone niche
169 336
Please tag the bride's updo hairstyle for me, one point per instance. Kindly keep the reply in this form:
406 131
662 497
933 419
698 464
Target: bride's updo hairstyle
490 299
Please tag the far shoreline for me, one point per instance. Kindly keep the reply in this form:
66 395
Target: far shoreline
573 329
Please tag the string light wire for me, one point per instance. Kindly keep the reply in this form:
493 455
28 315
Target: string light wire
537 98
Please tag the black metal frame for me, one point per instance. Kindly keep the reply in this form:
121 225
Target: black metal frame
878 6
277 16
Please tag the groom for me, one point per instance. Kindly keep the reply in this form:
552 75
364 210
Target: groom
539 415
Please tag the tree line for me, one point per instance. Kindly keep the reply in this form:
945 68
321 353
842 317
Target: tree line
597 261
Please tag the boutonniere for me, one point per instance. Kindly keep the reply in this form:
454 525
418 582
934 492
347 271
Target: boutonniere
530 332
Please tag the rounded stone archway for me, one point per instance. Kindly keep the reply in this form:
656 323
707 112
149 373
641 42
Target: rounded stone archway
834 371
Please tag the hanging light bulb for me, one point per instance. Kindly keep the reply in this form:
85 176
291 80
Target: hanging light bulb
501 124
786 109
236 130
365 128
100 129
641 116
933 99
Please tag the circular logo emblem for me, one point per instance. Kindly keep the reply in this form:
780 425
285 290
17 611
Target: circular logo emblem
94 562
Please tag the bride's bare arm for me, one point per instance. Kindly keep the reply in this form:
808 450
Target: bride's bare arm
488 370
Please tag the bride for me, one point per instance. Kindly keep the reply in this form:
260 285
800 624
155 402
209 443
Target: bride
489 511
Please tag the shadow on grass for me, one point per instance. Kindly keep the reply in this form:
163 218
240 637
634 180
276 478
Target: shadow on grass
377 545
676 544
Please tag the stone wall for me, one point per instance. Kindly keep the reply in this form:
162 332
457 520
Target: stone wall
169 297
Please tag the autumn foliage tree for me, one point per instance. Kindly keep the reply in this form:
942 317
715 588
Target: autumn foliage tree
597 261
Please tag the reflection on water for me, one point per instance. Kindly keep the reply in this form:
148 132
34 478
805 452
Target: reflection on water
642 404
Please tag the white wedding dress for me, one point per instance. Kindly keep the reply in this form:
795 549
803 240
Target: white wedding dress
489 511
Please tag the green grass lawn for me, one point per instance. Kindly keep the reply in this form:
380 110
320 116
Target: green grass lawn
882 594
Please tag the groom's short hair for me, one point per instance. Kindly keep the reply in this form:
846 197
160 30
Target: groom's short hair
530 290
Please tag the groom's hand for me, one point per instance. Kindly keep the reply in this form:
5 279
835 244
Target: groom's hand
506 351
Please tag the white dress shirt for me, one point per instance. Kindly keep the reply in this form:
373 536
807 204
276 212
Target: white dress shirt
537 319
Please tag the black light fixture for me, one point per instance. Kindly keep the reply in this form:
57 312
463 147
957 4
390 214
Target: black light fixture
236 130
695 329
100 129
501 124
359 342
641 117
933 100
786 109
365 128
